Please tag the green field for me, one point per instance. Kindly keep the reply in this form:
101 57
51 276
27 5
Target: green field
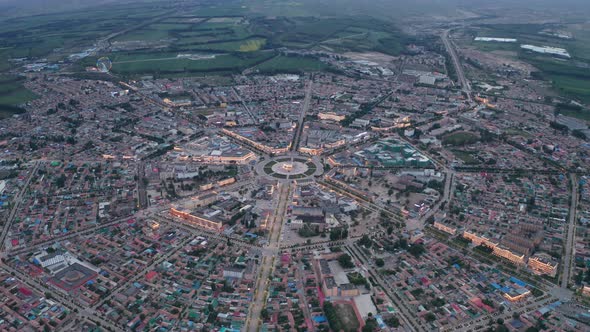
165 63
566 77
290 64
467 157
12 92
39 36
582 115
495 46
460 138
339 34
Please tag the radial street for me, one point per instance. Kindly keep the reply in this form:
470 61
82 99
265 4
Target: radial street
267 264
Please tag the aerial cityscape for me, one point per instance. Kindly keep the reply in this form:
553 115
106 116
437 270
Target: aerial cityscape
271 165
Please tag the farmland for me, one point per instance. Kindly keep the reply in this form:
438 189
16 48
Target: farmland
12 93
569 77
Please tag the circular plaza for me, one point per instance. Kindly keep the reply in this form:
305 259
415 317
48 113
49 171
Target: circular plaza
288 168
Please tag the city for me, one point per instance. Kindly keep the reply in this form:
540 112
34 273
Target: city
206 167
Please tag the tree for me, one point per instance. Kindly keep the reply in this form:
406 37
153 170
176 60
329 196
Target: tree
345 261
417 250
365 241
392 321
379 262
370 325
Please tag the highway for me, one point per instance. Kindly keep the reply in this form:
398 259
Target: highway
465 86
571 232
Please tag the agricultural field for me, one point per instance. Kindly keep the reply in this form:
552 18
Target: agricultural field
336 34
39 36
566 77
569 77
155 38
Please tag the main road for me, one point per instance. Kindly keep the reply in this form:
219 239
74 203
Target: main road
306 103
267 264
571 232
465 86
16 202
408 318
142 199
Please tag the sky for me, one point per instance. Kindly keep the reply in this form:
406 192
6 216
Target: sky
24 7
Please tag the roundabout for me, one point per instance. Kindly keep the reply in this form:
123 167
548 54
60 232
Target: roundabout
286 168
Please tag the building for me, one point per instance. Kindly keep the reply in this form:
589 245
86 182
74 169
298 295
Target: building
309 214
256 145
225 182
515 295
542 263
349 290
509 255
237 156
330 287
203 200
415 236
233 272
331 116
479 240
196 220
497 250
445 228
